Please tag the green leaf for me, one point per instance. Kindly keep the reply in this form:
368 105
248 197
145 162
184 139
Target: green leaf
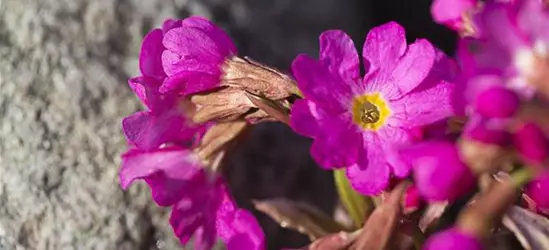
358 206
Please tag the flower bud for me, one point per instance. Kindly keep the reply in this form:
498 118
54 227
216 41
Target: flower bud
531 143
538 191
497 102
439 174
453 239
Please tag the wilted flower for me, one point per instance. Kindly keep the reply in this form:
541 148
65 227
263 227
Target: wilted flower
438 172
355 121
453 239
201 205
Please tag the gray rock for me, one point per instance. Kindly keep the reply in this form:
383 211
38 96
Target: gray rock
63 93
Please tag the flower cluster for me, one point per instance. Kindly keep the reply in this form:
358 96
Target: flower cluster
451 126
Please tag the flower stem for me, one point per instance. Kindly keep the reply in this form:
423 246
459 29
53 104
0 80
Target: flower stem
358 206
522 176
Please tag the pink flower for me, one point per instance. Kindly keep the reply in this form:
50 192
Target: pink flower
439 173
201 205
192 51
355 121
453 239
513 43
452 13
538 191
531 143
166 120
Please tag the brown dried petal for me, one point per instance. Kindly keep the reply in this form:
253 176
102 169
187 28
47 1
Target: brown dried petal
483 158
218 136
531 230
225 104
432 214
257 78
382 224
300 217
480 217
339 241
274 109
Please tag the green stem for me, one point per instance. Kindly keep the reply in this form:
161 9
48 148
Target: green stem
522 176
358 207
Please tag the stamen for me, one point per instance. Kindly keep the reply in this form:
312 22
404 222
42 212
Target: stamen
369 113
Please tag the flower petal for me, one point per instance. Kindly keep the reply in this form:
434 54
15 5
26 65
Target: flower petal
370 181
195 214
422 107
190 82
174 162
150 57
337 146
414 66
306 116
372 173
221 38
383 48
320 85
391 139
451 12
338 52
248 233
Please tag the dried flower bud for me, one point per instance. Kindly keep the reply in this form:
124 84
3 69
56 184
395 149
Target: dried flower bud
482 157
531 143
216 139
225 104
257 79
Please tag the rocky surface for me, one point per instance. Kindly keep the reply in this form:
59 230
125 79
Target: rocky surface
63 67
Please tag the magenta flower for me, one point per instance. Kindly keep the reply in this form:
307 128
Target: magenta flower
192 50
165 121
513 43
439 174
201 205
538 191
453 13
354 121
531 143
453 239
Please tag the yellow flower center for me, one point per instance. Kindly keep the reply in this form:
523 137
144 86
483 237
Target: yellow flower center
370 111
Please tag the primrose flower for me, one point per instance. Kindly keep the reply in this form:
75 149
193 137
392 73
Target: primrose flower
201 205
166 120
455 14
531 143
355 121
439 173
514 44
453 239
538 191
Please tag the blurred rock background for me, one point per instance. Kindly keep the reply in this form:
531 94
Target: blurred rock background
63 93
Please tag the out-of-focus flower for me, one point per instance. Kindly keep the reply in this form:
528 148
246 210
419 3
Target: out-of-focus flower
438 172
531 143
513 43
455 14
453 239
497 102
355 121
412 199
538 191
201 206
